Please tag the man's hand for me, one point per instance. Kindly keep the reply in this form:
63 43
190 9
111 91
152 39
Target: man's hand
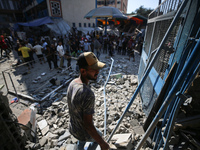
104 146
88 122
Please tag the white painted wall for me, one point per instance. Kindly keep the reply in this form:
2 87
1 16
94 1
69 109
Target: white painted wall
73 11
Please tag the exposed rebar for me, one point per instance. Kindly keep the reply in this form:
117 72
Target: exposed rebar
104 93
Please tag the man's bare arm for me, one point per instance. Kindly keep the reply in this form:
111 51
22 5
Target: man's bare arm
89 126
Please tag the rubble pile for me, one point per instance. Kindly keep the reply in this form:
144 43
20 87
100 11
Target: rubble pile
186 128
52 125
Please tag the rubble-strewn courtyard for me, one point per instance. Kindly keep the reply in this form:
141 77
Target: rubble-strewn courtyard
52 118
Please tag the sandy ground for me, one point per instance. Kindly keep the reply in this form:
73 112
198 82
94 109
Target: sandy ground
23 78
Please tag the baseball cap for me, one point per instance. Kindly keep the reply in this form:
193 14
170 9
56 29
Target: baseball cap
89 59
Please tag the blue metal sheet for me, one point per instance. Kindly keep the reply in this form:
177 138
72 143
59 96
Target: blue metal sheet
156 81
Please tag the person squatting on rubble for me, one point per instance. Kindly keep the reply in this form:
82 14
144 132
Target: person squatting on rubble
81 102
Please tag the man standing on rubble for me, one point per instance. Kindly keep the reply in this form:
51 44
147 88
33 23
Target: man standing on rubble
81 101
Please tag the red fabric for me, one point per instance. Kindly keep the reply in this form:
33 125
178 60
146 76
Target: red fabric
3 43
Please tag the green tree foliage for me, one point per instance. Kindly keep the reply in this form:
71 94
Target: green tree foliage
143 11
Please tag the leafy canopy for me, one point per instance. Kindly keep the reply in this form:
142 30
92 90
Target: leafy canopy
143 11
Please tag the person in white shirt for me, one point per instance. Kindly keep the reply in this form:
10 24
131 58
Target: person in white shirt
38 50
27 44
44 44
86 46
61 53
81 44
88 36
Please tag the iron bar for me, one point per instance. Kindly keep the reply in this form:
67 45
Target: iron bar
195 55
104 93
13 86
152 35
174 114
49 94
5 80
150 66
170 110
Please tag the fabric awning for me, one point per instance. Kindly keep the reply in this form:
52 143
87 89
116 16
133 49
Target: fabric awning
37 22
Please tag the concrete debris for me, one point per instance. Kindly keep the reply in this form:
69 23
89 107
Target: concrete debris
64 136
123 141
53 123
42 124
45 130
138 130
71 147
43 141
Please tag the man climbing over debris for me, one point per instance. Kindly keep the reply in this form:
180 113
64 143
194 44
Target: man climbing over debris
81 101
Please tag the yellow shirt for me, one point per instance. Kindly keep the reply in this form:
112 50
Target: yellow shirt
24 51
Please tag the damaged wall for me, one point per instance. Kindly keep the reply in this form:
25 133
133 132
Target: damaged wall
10 132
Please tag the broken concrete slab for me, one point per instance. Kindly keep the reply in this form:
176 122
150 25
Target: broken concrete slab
134 122
120 138
45 130
134 80
52 136
123 141
138 130
42 124
60 143
43 141
64 136
71 147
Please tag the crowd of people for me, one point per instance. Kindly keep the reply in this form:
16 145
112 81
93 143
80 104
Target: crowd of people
52 49
6 45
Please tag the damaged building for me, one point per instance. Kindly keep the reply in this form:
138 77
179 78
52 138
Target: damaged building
150 105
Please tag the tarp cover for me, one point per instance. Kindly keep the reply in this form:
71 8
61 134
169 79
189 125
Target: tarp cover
37 22
57 26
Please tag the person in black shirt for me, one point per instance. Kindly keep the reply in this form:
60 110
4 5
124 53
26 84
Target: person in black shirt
55 59
49 56
68 57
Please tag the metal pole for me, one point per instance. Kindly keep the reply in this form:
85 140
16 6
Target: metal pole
104 93
173 104
13 86
173 115
106 26
195 55
96 18
150 65
152 35
5 80
55 90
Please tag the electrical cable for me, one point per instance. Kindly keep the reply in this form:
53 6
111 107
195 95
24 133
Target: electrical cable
36 138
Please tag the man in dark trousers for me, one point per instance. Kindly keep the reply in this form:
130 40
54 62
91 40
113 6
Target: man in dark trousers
81 102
